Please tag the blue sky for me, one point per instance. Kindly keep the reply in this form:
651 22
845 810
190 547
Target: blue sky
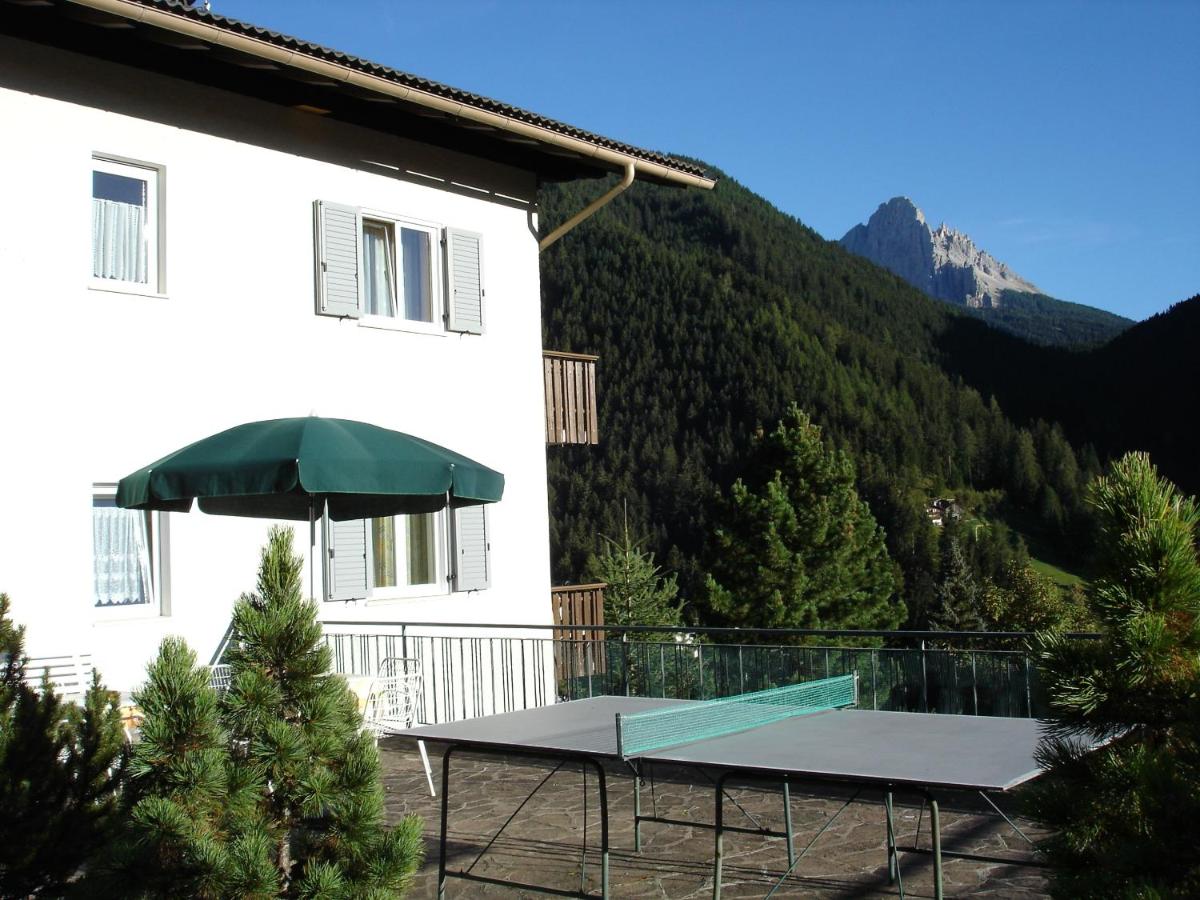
1063 137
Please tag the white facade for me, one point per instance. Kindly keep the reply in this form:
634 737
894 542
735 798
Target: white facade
97 383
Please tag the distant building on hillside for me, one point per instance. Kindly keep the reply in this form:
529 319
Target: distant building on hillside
943 510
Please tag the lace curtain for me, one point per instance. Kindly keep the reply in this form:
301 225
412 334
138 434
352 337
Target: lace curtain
118 241
121 551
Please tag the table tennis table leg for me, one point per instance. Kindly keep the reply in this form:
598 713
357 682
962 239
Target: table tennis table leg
637 810
891 838
718 825
445 813
603 827
787 822
935 828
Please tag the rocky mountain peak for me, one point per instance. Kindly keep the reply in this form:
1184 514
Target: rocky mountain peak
943 262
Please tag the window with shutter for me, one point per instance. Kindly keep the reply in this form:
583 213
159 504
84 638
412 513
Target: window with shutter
387 557
464 281
385 271
472 547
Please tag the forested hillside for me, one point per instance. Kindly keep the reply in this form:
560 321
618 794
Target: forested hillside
1057 323
1136 392
711 312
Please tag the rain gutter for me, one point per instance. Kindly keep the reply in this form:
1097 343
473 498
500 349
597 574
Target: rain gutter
341 74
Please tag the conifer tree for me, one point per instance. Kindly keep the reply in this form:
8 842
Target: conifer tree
60 764
1125 817
271 791
638 592
796 547
192 826
957 599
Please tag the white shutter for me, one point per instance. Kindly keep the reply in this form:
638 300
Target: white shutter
346 559
472 549
338 233
464 281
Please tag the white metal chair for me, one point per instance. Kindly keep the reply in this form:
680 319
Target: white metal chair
220 676
392 703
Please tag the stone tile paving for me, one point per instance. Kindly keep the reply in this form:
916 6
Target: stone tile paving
542 845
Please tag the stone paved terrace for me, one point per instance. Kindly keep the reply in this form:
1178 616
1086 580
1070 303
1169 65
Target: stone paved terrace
542 845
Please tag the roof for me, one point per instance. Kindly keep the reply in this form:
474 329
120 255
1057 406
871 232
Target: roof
554 149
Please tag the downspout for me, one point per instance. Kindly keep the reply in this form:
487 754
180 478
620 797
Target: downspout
588 211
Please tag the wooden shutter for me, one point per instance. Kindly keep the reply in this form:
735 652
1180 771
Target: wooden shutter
346 559
338 232
472 547
464 281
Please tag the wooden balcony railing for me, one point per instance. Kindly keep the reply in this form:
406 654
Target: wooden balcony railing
578 607
571 413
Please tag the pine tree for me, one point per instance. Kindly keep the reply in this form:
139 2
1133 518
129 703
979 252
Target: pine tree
271 791
1126 816
637 591
957 603
60 765
796 547
192 826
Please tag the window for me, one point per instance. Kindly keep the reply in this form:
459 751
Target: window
397 278
397 273
404 551
128 556
407 555
126 225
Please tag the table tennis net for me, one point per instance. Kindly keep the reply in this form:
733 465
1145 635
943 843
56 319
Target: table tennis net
657 729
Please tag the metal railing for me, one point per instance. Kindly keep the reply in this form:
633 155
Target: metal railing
475 670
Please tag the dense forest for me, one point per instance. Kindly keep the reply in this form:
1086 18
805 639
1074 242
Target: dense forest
1131 393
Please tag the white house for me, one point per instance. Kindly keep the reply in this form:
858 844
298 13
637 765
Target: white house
206 224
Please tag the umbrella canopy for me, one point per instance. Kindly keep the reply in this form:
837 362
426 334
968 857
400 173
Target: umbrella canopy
287 468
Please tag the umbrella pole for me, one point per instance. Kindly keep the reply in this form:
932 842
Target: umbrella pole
312 544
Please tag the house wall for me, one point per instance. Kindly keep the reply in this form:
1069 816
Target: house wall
99 383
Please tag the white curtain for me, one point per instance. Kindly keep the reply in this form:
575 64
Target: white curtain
377 271
383 552
121 550
421 559
118 240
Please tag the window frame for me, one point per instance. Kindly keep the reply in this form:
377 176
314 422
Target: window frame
154 175
441 579
437 322
158 534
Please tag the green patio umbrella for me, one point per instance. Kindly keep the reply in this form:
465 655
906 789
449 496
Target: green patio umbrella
300 468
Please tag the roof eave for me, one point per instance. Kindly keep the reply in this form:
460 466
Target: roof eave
586 151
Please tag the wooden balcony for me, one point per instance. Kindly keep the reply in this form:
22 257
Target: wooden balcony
571 413
579 646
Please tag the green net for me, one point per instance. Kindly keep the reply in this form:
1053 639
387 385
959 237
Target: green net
640 733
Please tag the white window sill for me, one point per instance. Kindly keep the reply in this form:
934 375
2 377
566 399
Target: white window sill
388 323
118 615
124 287
424 592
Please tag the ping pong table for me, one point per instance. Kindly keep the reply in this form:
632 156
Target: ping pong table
806 733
